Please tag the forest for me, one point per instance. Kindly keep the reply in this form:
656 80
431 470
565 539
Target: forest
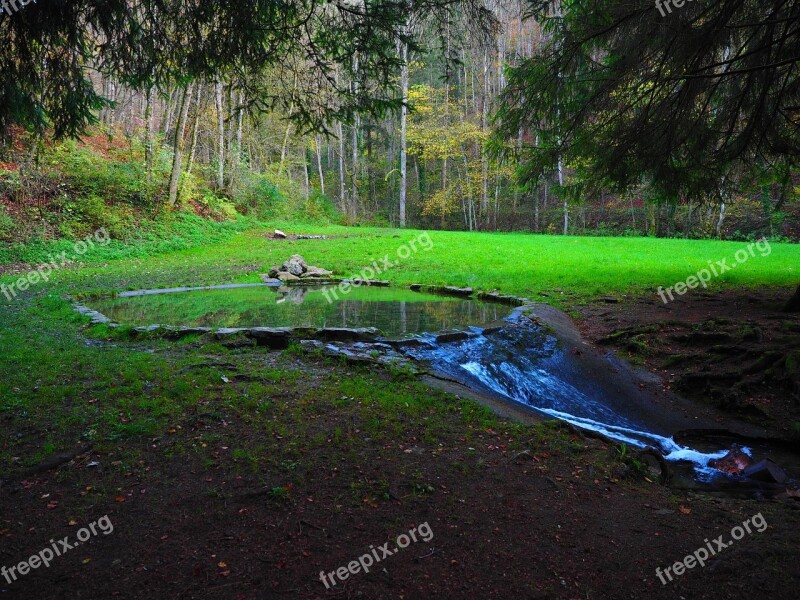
399 299
422 138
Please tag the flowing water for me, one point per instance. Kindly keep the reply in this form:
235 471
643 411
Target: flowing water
524 364
520 362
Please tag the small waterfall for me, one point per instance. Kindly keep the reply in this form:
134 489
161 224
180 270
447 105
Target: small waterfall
522 363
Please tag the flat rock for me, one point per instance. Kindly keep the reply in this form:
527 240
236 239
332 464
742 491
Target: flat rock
316 272
345 334
492 330
224 332
372 282
451 336
458 291
276 338
286 276
767 471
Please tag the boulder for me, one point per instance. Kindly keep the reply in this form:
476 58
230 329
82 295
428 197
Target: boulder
734 462
276 338
317 272
287 276
767 471
280 234
273 271
296 265
451 336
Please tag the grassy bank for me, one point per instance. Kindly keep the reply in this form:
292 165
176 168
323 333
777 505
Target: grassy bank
520 264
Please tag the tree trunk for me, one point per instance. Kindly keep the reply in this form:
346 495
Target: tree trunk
721 219
561 184
342 189
318 144
306 179
356 126
403 135
195 127
148 144
220 135
177 158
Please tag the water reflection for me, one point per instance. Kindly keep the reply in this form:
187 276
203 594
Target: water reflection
396 312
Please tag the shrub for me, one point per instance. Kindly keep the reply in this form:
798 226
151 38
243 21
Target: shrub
6 224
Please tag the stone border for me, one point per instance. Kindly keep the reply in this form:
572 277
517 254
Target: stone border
280 337
276 338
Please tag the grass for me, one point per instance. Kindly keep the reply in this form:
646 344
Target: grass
60 388
518 264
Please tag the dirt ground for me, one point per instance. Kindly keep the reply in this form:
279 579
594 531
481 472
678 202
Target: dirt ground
736 351
514 513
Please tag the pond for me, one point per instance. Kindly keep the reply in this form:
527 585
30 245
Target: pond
396 312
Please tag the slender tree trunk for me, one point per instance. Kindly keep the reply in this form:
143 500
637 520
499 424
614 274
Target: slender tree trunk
306 179
318 144
220 135
169 109
484 124
177 158
148 144
356 126
195 128
403 135
286 138
721 219
342 189
560 184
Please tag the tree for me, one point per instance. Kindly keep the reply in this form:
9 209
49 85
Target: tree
696 100
689 101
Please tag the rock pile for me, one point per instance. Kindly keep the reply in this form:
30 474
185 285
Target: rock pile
296 269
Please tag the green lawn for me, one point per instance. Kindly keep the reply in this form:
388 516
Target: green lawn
58 388
519 264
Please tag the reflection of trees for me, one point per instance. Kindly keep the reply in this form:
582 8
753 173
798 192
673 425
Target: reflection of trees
395 312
